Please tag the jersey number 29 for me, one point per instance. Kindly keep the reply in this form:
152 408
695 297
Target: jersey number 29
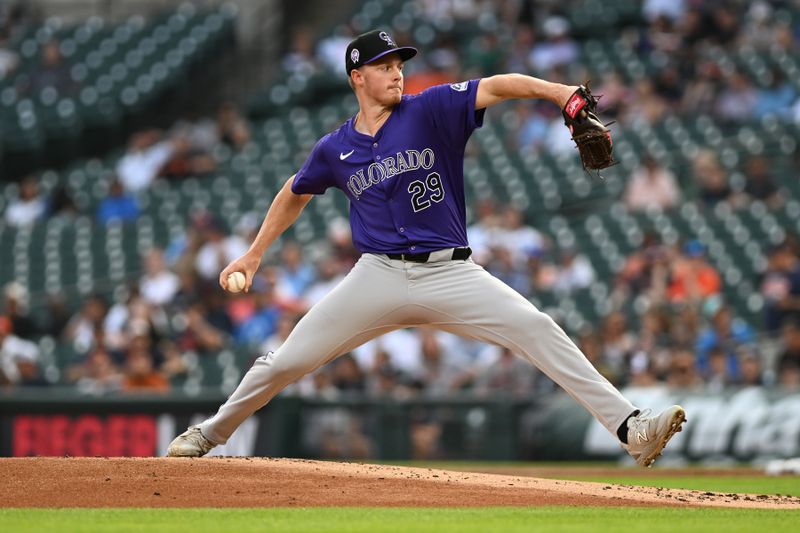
418 190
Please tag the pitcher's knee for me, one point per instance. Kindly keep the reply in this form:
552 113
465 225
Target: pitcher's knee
281 369
539 321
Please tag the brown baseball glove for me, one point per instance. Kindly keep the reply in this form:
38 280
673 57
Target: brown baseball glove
591 136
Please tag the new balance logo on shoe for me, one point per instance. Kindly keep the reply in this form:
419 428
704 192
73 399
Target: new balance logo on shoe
647 435
342 156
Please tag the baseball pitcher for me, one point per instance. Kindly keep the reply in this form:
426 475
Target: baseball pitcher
400 162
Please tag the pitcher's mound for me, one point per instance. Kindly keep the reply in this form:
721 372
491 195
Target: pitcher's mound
250 482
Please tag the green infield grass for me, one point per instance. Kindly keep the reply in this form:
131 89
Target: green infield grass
401 520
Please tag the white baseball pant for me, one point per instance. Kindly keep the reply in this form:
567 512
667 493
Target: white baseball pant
381 294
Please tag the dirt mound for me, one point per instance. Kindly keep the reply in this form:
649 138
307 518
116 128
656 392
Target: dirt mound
250 482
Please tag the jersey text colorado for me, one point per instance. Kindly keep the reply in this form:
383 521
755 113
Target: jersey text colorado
388 168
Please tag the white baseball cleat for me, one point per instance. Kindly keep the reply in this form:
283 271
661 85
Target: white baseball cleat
647 435
190 443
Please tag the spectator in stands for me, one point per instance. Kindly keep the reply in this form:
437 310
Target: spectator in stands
483 232
62 205
686 325
264 321
28 207
645 270
347 376
96 374
780 287
299 59
400 348
19 358
140 322
693 278
790 341
509 375
700 94
750 368
557 49
534 123
140 374
442 67
724 332
516 59
191 153
502 266
295 274
286 324
219 249
119 205
646 107
173 364
616 94
485 56
331 49
327 277
712 182
673 10
199 333
683 371
726 23
662 36
15 308
52 71
776 98
542 273
519 238
618 343
232 128
654 336
759 27
718 374
181 253
789 377
158 286
446 368
641 371
9 60
148 152
215 307
590 342
651 187
573 272
737 101
669 85
80 330
341 243
760 184
56 316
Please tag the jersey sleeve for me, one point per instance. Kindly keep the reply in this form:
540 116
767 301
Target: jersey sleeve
315 176
452 109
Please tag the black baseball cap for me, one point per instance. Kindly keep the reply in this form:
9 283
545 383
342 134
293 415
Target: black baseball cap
373 45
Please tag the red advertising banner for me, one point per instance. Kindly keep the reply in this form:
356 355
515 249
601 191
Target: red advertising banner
84 435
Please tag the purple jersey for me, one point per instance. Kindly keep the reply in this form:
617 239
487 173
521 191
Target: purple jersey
406 184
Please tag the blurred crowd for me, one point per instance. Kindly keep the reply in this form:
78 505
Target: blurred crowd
688 337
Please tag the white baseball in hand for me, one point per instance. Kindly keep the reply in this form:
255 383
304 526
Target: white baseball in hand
236 281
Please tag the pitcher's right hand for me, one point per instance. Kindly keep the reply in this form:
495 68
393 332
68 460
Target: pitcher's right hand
247 264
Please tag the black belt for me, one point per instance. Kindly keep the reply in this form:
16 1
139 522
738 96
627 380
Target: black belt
459 254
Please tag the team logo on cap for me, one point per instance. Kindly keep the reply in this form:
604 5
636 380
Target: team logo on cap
385 36
354 55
